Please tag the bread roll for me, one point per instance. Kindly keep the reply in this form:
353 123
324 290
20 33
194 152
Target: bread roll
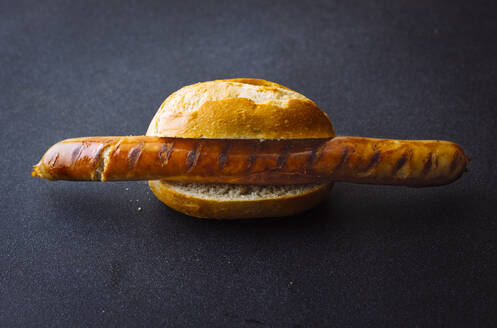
239 108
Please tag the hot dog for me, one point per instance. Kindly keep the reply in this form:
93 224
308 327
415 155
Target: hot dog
254 161
246 148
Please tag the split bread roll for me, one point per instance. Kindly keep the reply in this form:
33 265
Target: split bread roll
239 108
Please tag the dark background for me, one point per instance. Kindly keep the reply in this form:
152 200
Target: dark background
81 254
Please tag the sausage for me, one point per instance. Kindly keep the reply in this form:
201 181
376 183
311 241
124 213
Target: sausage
253 161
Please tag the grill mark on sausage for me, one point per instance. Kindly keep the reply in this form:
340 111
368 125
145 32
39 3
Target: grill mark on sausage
165 152
400 162
53 160
253 156
373 161
134 155
310 160
282 158
428 163
343 158
192 157
76 153
320 152
251 161
316 154
222 159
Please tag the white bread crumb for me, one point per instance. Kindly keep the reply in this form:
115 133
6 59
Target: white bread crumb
240 192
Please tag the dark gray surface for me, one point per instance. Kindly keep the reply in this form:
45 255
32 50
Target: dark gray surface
81 254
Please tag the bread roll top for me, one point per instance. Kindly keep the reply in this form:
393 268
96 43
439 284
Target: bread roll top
240 108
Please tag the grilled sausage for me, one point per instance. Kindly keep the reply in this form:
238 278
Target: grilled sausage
252 161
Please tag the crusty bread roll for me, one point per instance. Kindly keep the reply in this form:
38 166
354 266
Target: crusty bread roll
239 108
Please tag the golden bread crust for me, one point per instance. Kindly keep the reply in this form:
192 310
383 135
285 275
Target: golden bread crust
232 109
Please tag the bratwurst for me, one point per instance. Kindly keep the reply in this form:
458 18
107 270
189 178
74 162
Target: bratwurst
413 163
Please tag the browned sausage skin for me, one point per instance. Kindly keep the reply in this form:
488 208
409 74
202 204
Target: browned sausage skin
252 161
